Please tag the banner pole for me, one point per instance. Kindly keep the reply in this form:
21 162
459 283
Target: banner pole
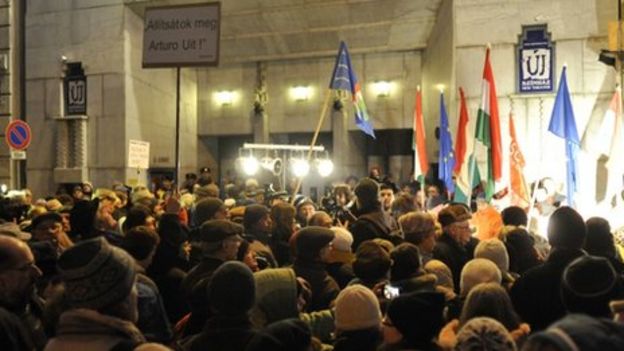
314 138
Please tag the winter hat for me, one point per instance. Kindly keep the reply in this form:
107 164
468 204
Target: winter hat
514 215
301 200
367 191
418 316
442 272
343 239
96 274
82 217
495 251
310 241
406 262
207 208
453 214
215 230
232 289
48 216
202 192
581 332
566 229
253 214
484 333
357 308
588 284
12 229
477 271
294 334
599 241
276 296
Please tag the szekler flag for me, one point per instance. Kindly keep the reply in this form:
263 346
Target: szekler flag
519 191
446 159
488 144
463 172
421 164
344 78
563 125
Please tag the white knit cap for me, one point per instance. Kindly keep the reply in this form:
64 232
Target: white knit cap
495 251
477 271
357 308
342 239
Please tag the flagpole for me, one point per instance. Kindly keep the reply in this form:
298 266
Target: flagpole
314 138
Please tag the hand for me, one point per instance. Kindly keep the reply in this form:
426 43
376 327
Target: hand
447 339
523 330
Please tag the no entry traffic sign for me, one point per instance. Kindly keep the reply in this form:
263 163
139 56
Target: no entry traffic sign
18 135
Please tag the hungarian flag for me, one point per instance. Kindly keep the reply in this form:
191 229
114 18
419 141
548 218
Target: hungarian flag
421 164
344 78
462 171
615 164
519 192
488 145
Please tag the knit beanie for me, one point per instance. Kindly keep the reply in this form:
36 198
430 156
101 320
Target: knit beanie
253 214
495 251
477 271
343 239
581 332
96 274
588 284
357 308
484 333
232 289
418 316
442 272
206 209
367 191
311 240
566 229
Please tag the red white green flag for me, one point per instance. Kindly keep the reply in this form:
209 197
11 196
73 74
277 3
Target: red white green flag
488 145
421 164
462 172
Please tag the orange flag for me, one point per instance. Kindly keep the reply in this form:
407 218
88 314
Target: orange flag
519 193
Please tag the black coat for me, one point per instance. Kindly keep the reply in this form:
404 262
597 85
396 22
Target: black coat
536 295
225 333
454 255
372 225
324 288
358 340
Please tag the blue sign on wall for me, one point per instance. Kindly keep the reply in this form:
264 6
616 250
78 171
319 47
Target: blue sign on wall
536 60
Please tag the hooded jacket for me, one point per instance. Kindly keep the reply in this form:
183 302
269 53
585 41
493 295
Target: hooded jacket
276 299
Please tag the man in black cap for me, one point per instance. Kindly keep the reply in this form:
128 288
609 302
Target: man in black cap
372 222
452 246
537 294
219 240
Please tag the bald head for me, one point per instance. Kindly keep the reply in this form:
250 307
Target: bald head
12 250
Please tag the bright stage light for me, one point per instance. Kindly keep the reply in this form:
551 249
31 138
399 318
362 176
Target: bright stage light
300 167
250 165
325 167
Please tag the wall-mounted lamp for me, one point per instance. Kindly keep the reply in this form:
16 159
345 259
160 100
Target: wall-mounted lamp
224 97
300 93
382 88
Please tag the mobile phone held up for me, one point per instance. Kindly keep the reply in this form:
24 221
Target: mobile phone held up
390 292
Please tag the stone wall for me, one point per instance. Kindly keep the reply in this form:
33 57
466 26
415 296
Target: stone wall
6 81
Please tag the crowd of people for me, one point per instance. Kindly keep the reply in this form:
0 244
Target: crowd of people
370 267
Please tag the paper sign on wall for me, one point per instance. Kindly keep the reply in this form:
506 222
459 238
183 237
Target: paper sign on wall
138 154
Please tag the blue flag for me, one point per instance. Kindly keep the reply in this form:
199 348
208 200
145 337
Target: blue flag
344 78
446 158
563 125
